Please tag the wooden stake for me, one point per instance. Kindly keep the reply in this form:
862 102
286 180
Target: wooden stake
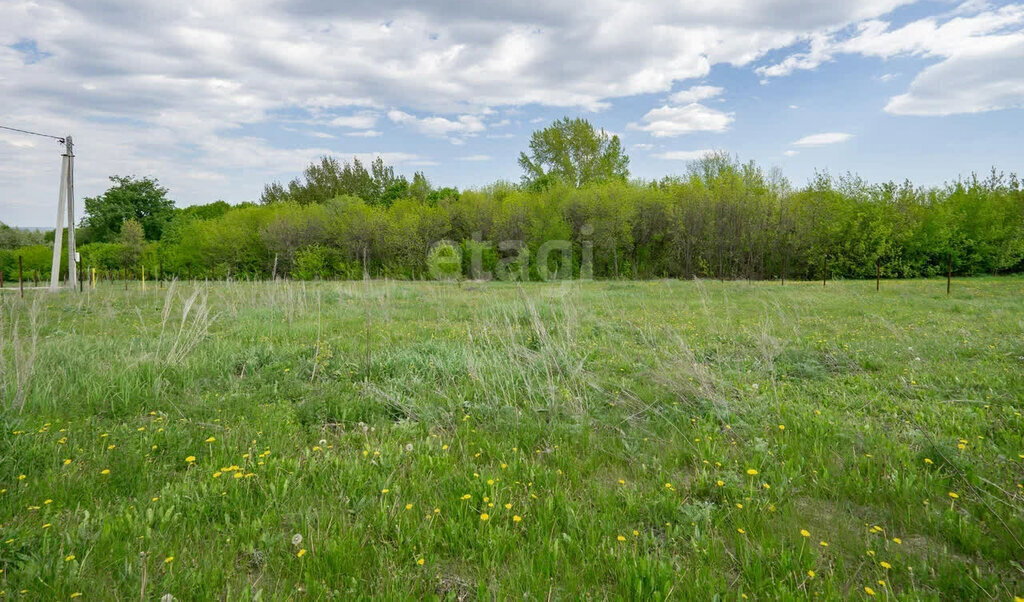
878 276
824 270
21 282
949 274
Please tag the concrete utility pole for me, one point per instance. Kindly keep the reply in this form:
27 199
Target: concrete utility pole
65 196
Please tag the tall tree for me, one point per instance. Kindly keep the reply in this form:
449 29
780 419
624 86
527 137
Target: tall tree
143 200
132 242
574 152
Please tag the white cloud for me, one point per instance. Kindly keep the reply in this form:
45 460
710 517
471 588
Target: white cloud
199 73
643 146
668 121
972 81
439 126
981 50
791 153
823 139
695 94
475 158
358 121
690 155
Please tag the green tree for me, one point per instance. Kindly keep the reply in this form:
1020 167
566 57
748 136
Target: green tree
132 242
573 152
130 198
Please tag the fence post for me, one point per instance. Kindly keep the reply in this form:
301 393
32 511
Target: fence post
949 274
21 281
824 270
878 276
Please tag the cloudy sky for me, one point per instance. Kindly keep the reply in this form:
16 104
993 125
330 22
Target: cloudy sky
217 97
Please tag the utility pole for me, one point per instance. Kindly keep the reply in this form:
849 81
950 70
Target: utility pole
66 196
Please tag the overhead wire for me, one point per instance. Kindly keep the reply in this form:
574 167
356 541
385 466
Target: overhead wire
4 127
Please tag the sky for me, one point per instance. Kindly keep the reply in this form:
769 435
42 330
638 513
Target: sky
217 98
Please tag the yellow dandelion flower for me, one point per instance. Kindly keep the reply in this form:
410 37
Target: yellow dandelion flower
420 561
67 461
622 482
953 495
720 483
217 474
751 471
408 506
621 538
211 439
823 544
190 459
885 565
805 532
897 540
169 560
21 477
869 591
105 471
76 595
485 516
466 497
69 558
740 531
301 553
739 505
928 461
810 574
385 490
516 518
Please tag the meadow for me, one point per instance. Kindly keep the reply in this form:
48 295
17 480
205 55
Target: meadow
645 440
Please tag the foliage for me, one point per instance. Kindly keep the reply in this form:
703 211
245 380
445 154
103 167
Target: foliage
720 219
142 200
330 178
132 241
572 151
12 238
444 262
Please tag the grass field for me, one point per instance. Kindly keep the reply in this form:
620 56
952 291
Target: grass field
683 440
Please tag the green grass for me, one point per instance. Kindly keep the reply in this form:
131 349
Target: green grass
621 421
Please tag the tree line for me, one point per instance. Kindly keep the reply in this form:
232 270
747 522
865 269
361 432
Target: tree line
720 219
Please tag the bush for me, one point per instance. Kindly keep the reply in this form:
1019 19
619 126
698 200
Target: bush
444 262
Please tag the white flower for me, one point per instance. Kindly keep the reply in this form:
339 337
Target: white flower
296 539
323 442
167 598
408 447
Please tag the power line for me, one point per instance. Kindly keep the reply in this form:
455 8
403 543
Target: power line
4 127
